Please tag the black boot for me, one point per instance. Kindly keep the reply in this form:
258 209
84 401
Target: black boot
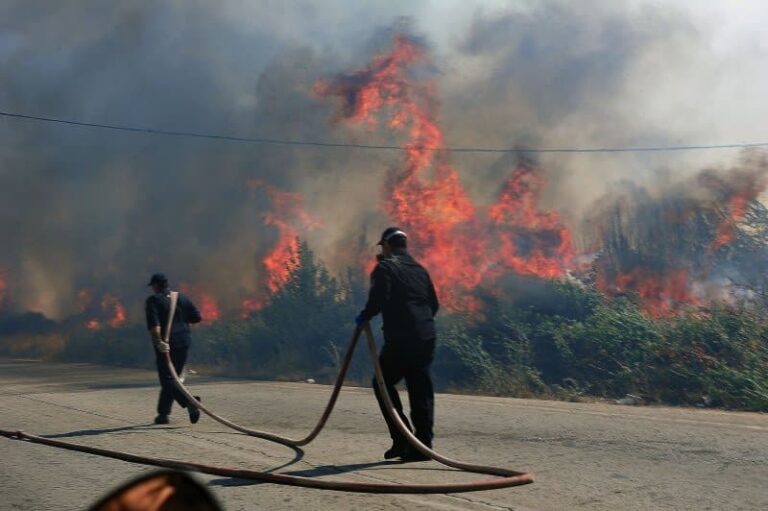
411 454
194 412
162 419
397 450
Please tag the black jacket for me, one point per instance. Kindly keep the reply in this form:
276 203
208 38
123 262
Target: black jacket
157 308
403 292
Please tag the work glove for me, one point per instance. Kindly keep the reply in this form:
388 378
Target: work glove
359 320
160 344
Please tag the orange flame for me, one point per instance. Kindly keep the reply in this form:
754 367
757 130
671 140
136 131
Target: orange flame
209 308
533 242
726 231
111 305
433 207
669 270
288 216
426 197
281 260
741 188
249 306
661 293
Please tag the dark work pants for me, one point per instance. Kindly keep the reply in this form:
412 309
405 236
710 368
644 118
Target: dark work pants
410 361
168 391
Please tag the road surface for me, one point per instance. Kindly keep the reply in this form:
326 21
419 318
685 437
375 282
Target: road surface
584 456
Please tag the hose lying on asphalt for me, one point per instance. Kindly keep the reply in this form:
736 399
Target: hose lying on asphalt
294 442
507 478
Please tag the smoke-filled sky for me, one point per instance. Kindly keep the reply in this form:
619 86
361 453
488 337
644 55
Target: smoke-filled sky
100 210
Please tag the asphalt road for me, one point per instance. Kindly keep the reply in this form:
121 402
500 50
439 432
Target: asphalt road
584 456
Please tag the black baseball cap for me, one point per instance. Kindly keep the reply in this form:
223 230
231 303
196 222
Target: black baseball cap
391 232
158 278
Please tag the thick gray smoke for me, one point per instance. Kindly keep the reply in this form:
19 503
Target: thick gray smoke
100 210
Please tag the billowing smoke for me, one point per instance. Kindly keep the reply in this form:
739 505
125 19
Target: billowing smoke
95 211
88 214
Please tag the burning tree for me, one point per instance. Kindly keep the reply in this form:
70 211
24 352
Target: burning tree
288 216
681 249
746 258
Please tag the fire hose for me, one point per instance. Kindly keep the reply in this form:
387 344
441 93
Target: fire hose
506 478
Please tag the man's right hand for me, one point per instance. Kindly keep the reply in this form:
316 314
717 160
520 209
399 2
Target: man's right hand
157 340
161 345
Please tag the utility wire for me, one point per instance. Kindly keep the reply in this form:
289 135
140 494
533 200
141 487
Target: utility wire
275 141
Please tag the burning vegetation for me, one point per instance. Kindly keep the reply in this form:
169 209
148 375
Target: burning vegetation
108 312
663 250
534 242
670 288
674 251
463 246
677 251
206 303
424 196
289 219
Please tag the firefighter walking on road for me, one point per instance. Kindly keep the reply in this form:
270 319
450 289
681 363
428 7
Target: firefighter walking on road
402 291
157 308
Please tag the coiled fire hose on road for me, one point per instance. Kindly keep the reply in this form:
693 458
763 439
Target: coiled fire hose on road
506 478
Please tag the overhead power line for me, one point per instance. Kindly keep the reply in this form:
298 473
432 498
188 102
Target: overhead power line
276 141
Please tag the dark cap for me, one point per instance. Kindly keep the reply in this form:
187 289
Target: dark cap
391 232
158 278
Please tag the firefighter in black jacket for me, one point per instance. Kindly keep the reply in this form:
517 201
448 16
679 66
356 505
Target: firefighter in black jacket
157 308
402 291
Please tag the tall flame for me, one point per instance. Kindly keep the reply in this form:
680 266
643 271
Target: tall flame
533 242
288 216
426 198
726 231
